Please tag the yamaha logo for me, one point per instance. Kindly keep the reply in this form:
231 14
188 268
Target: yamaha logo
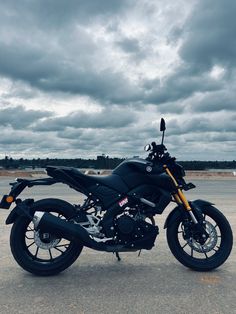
149 168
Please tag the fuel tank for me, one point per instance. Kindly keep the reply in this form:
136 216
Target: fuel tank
136 165
137 171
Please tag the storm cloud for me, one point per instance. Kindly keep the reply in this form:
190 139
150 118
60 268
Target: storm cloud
83 78
19 118
210 35
107 118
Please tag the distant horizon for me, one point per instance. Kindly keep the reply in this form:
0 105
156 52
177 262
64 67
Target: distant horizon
104 162
113 157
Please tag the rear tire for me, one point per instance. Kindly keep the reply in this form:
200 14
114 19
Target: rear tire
207 257
31 256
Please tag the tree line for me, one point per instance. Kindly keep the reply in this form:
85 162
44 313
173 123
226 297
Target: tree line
103 162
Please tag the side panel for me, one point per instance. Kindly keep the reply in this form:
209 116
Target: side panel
160 180
112 181
151 192
160 197
106 195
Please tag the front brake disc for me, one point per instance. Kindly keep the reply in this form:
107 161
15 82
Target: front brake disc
210 242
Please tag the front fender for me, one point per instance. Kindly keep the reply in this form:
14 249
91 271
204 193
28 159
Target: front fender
200 203
173 215
178 210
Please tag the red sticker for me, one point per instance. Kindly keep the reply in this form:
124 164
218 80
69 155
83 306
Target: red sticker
123 202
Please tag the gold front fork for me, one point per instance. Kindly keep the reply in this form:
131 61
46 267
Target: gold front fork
180 197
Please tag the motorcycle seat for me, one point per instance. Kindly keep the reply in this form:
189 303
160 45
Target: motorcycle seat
112 181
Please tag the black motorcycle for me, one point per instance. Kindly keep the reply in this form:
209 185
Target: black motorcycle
116 216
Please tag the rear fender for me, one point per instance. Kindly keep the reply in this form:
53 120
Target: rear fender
22 209
28 207
11 218
179 210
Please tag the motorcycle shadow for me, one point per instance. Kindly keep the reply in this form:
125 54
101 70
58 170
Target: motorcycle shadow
124 278
125 271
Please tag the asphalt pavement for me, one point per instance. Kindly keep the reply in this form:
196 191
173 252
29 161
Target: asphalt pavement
155 282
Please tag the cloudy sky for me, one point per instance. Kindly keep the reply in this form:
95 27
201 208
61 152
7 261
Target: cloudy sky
82 78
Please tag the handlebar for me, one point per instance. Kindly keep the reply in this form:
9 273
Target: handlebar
157 151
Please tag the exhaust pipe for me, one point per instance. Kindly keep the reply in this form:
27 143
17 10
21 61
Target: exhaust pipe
65 229
70 231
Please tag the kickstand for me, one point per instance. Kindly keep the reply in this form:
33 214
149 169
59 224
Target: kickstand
139 253
118 256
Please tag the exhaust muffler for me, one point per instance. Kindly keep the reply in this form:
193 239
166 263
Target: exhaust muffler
65 229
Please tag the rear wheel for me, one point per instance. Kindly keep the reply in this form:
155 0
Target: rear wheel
42 253
189 249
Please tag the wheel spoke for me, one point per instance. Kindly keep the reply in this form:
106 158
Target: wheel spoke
30 229
50 253
29 238
30 244
36 253
56 248
63 245
184 245
191 251
205 254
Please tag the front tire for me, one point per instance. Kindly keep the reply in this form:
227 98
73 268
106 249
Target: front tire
43 254
189 252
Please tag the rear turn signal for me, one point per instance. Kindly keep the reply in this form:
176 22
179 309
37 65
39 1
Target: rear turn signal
6 201
9 199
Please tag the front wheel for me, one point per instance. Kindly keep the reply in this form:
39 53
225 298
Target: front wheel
42 253
186 246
